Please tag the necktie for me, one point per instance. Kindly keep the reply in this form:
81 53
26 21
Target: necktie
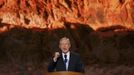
65 60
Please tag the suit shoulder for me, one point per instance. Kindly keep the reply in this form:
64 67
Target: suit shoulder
75 54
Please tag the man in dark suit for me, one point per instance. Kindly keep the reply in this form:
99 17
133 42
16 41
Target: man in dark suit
65 60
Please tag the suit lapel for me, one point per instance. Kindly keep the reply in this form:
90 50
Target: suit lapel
70 61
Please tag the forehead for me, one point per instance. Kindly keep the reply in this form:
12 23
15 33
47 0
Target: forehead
64 40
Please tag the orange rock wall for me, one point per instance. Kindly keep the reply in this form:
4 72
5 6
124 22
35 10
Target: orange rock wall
53 13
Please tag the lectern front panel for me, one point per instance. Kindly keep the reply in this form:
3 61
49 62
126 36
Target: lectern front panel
65 73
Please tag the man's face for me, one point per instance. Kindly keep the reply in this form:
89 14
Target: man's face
64 45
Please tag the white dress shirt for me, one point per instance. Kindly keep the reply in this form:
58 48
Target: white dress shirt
68 58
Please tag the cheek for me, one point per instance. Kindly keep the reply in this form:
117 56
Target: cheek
68 46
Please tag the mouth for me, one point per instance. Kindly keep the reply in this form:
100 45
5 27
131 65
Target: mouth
65 49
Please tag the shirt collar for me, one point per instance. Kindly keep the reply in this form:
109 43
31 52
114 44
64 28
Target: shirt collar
68 55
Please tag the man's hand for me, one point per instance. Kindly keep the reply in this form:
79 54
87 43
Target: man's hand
56 55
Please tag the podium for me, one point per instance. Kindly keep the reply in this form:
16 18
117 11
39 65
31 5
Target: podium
65 73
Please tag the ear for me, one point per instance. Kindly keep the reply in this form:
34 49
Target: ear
69 45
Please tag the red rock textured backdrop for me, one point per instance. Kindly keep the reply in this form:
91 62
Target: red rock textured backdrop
101 31
53 13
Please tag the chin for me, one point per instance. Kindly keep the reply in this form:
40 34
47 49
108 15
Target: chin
65 51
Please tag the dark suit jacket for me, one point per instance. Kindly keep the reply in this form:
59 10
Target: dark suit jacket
75 64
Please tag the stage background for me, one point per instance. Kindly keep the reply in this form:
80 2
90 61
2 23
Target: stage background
101 31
